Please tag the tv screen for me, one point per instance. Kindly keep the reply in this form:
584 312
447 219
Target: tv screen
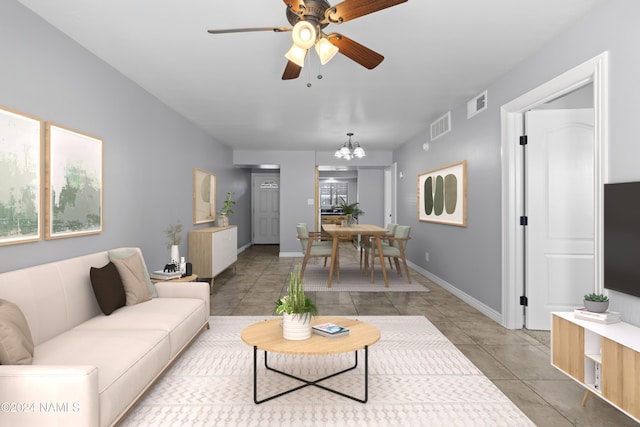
622 237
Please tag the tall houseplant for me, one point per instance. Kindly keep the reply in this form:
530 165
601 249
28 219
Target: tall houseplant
226 210
296 309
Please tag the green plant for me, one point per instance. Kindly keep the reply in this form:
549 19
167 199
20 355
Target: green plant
596 297
296 302
227 205
351 209
173 234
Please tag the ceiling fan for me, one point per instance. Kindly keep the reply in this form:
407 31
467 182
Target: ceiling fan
309 18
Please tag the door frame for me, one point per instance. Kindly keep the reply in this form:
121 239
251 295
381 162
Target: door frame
594 70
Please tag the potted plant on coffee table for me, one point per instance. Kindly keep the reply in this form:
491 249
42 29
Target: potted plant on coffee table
296 309
596 303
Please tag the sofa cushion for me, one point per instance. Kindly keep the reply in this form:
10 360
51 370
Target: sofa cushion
127 361
108 287
178 317
125 253
16 343
132 275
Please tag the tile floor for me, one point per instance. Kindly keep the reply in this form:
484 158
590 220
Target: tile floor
517 361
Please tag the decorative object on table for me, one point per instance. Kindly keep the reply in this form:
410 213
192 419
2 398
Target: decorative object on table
596 303
165 275
73 183
204 196
174 237
21 184
330 330
442 195
227 209
296 309
352 211
606 317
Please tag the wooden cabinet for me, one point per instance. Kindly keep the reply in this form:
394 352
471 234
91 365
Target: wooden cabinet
605 359
212 250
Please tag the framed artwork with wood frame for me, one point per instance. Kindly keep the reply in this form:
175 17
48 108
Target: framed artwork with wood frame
20 178
442 195
73 183
204 196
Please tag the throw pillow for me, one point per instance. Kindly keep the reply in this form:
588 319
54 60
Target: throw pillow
108 288
127 253
16 343
135 286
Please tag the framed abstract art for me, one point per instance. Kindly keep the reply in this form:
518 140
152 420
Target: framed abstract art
442 195
73 183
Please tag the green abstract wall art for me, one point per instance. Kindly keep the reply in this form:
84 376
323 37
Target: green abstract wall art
20 177
73 183
442 195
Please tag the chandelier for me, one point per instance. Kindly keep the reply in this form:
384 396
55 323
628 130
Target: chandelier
350 150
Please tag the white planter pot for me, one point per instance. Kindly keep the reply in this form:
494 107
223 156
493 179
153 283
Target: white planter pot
223 221
175 255
296 327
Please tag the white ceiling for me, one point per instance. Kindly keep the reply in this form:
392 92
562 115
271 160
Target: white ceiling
438 54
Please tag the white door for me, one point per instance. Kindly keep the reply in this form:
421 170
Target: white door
560 209
266 209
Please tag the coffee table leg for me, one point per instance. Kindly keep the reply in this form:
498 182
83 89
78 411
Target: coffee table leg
307 382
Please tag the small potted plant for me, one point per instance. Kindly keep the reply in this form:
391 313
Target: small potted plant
174 237
296 309
226 210
596 303
352 211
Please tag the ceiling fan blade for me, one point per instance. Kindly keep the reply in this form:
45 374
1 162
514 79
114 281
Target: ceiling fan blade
352 9
355 51
247 30
295 5
291 71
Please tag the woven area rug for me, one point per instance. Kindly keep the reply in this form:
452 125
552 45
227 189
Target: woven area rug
352 279
416 378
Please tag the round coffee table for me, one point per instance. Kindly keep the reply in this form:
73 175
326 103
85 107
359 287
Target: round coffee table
267 336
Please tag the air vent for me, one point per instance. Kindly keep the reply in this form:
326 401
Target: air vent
441 126
477 104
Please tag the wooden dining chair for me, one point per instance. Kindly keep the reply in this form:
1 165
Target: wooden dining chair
367 241
313 246
395 249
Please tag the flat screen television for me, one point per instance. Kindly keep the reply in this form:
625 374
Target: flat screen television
622 237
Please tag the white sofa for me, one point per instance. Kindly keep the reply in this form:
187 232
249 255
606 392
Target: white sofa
89 369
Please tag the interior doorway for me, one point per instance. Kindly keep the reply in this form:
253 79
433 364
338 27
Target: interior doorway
514 256
265 203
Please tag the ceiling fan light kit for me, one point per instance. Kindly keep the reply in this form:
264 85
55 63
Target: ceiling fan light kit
296 55
309 18
350 150
304 34
325 50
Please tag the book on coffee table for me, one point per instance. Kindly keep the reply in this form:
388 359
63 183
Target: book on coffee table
330 330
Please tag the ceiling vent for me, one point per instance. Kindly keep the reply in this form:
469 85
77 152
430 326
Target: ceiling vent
477 104
441 126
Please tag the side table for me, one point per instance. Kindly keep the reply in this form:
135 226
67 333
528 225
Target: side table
192 278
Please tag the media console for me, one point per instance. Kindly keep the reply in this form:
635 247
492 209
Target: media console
605 359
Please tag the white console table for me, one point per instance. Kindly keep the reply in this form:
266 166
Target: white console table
212 250
605 359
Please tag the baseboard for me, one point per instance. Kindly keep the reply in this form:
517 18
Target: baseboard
478 305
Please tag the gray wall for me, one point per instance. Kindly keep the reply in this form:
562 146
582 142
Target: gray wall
470 258
149 150
371 196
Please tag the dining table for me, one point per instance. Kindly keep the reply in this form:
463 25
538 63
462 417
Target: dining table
338 232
